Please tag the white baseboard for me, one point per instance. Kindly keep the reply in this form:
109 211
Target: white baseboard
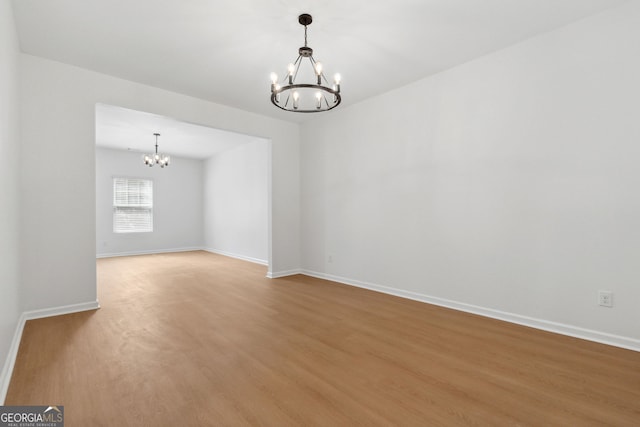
9 363
237 256
559 328
149 252
277 274
57 311
164 251
10 360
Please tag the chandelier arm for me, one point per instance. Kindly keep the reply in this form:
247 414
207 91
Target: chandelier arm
325 100
297 64
325 79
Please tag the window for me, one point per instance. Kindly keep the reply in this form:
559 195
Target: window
132 205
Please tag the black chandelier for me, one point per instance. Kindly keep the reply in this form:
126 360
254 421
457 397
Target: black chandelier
157 158
305 97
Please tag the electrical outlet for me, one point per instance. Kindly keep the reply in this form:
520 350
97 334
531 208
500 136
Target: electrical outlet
605 298
330 259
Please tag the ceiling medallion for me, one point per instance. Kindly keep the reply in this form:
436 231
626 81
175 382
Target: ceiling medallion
312 96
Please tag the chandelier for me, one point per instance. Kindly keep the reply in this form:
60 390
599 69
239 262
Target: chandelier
157 158
310 97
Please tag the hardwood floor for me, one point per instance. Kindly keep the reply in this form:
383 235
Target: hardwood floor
201 339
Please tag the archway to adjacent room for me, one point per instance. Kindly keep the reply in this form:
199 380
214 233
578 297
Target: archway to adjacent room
215 195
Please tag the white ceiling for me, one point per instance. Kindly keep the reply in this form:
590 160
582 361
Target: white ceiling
224 51
124 129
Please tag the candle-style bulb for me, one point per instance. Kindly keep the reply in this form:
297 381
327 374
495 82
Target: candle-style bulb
290 70
296 96
318 70
318 100
277 93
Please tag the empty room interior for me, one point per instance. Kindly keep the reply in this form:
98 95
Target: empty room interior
293 213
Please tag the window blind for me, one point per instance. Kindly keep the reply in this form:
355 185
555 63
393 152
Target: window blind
132 205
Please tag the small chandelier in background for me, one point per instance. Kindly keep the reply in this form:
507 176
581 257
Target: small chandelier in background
308 97
157 158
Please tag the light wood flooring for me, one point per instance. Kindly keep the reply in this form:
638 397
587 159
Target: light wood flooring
194 338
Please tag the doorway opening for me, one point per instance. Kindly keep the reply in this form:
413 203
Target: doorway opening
215 195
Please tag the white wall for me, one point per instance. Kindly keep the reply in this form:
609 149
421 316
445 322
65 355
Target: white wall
236 201
509 183
177 200
10 294
58 133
